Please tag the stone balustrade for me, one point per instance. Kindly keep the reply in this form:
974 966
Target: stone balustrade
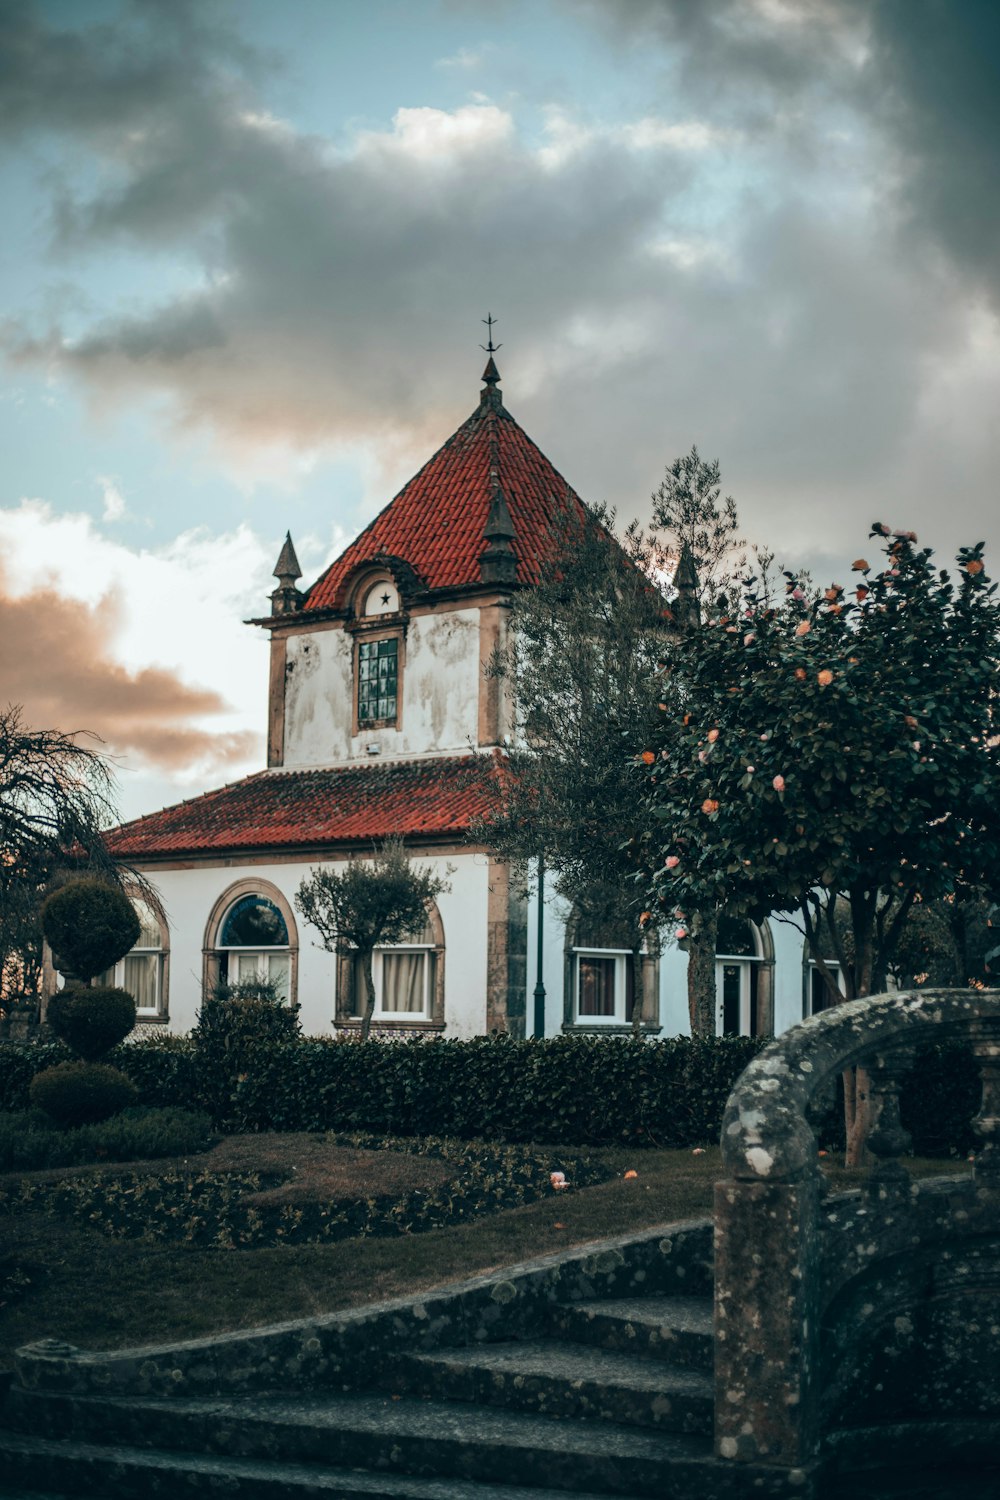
869 1313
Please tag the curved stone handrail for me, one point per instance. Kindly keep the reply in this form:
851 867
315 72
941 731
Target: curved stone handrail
765 1134
771 1239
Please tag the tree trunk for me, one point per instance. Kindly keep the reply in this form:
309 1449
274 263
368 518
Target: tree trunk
857 1116
701 974
366 1019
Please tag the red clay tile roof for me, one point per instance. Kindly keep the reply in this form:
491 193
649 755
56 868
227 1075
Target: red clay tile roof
314 809
436 521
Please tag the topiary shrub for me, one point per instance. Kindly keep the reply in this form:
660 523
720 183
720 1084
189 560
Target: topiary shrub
81 1093
89 926
241 1029
91 1020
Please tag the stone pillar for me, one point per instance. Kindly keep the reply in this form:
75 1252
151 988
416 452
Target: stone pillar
506 952
766 1320
985 1034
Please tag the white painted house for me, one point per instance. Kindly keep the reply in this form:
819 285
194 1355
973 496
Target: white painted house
378 705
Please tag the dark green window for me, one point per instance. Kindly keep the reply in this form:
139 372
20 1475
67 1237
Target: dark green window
378 664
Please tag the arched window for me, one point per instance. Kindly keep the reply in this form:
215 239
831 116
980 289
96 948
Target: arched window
251 937
743 961
143 970
408 978
601 981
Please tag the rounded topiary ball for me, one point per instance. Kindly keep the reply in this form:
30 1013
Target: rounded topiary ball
89 926
81 1093
91 1021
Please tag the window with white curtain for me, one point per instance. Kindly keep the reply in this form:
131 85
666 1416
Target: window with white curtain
143 970
404 978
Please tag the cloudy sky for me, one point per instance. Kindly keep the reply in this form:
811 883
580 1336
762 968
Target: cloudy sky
247 247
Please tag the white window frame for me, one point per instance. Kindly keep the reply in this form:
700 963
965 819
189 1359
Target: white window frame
622 957
746 962
813 977
116 975
263 965
400 1017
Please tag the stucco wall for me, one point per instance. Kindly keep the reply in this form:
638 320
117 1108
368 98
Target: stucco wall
439 708
189 896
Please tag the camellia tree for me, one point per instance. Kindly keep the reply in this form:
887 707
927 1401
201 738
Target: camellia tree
367 905
837 751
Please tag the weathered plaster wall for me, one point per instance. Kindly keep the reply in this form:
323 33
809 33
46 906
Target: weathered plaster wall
189 896
439 702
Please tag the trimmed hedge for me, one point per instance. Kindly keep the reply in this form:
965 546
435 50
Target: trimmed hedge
566 1090
81 1093
29 1142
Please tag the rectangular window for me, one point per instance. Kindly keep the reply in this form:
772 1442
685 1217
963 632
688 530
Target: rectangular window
603 984
378 675
404 980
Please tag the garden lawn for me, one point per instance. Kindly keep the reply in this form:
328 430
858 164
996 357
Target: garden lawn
60 1277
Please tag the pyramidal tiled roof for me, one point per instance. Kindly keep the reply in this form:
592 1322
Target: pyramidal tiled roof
436 522
315 809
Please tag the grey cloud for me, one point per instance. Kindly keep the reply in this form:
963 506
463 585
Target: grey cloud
338 288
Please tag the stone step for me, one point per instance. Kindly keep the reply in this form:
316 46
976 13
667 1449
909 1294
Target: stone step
427 1439
677 1330
557 1379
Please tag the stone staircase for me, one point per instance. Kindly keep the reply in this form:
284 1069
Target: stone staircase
594 1395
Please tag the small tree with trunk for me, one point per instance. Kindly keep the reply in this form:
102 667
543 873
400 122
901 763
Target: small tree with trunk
367 905
839 750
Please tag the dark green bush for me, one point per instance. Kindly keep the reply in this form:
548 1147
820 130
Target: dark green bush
575 1090
89 926
81 1093
91 1020
29 1142
238 1026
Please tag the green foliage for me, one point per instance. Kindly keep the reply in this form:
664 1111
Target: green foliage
368 904
831 747
29 1143
55 798
218 1209
91 1021
81 1093
89 926
239 1028
586 1091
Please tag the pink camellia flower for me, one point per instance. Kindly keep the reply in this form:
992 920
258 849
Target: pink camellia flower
672 861
778 783
880 528
906 536
703 756
713 735
750 770
558 1180
749 638
680 934
825 677
803 627
697 1151
798 594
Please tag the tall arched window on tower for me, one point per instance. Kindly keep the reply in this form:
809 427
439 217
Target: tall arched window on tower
743 964
251 938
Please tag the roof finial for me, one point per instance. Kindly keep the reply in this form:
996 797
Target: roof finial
491 375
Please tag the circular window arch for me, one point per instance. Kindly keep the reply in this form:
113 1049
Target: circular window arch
251 938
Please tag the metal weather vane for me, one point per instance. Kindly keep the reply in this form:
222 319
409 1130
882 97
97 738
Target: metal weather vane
491 322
